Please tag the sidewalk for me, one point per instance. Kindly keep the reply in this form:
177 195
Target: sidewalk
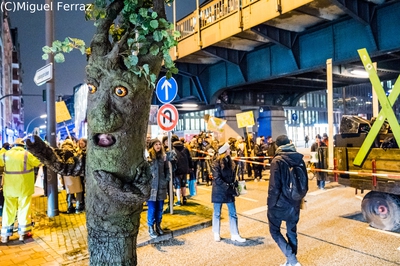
62 240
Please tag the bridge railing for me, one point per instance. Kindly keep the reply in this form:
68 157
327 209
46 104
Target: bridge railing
207 15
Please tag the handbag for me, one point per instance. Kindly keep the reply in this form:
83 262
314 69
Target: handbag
235 188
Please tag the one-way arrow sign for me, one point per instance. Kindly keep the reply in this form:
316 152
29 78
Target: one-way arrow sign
43 74
166 89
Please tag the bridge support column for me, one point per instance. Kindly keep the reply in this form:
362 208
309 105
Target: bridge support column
271 122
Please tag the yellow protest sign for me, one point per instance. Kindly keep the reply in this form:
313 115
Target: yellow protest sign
216 124
62 113
245 119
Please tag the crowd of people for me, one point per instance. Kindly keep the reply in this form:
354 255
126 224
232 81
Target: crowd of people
202 159
20 170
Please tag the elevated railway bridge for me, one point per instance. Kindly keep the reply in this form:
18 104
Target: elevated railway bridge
245 54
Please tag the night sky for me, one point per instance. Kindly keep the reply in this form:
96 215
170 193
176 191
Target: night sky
31 35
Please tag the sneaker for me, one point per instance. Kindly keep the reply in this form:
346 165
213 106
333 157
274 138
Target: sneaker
284 264
255 180
4 239
217 238
21 237
178 203
79 210
238 238
262 180
297 264
184 200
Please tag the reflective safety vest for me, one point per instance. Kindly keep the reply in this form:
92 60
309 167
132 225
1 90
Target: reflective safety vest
18 177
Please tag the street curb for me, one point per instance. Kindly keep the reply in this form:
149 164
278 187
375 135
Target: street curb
171 234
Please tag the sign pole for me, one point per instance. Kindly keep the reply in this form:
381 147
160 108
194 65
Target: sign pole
171 187
52 183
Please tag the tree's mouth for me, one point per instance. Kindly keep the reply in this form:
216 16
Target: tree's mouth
104 140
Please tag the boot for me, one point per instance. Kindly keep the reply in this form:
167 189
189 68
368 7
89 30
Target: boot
152 234
71 208
159 230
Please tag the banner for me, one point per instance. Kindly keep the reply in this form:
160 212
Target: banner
245 119
216 124
62 113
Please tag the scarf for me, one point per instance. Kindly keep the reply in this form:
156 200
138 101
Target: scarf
286 148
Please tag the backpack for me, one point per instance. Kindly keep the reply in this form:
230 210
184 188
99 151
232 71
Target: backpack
296 185
181 163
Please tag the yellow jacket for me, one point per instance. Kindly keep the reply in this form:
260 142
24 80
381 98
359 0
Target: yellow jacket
18 177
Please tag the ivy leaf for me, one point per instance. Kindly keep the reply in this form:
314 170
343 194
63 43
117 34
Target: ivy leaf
154 24
157 35
45 56
143 12
59 58
146 68
154 49
46 49
154 15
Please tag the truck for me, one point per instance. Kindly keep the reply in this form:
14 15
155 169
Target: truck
379 173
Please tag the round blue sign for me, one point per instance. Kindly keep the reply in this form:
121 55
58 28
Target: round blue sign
294 116
166 89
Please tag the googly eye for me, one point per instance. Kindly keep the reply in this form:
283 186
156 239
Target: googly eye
92 88
121 91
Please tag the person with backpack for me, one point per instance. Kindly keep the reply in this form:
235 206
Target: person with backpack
182 166
287 187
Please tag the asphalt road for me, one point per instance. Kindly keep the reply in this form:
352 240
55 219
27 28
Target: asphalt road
331 231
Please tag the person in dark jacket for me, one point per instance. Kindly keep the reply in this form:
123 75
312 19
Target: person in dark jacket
183 166
321 164
280 208
222 192
159 185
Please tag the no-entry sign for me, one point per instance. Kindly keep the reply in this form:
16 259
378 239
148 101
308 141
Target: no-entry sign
167 117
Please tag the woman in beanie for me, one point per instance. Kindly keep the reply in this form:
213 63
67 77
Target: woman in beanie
160 171
223 170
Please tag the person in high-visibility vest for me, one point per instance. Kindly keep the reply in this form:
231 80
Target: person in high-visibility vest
18 187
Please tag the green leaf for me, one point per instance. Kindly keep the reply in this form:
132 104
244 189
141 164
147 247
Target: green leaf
154 15
174 70
46 49
157 35
59 58
153 78
146 68
143 12
154 49
154 24
134 59
45 56
176 34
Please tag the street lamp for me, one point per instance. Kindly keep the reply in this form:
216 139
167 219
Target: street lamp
27 127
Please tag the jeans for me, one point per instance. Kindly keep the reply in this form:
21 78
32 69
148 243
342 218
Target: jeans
321 184
291 215
233 220
154 212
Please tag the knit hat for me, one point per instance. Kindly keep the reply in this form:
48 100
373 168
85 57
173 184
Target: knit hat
282 140
152 142
224 148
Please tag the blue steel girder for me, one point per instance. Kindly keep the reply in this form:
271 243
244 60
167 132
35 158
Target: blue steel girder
309 51
229 55
360 10
276 35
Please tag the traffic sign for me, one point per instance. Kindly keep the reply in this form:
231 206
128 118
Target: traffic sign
43 74
166 89
294 116
167 117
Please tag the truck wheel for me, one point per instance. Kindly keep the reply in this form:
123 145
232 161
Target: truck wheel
382 210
